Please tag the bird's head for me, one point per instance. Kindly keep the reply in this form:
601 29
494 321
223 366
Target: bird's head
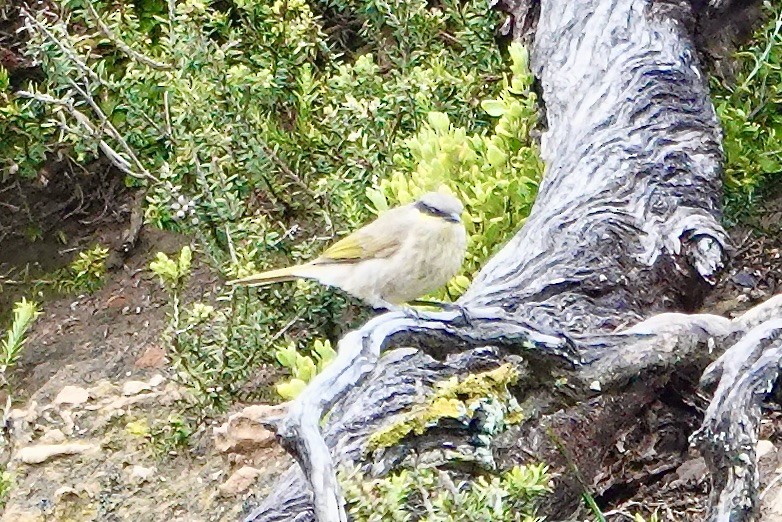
441 205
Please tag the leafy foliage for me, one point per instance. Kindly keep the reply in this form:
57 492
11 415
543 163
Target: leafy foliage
428 494
494 174
6 485
303 367
267 129
206 343
85 273
12 344
259 127
750 109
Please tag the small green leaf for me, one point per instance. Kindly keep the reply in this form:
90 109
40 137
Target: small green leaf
286 356
291 389
495 156
305 368
439 121
494 108
377 199
769 165
185 258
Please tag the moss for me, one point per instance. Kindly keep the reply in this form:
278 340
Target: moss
475 386
138 428
458 399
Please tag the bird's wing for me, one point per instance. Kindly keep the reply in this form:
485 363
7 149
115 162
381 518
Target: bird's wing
373 241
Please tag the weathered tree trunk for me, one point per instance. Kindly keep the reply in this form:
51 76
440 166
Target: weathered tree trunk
626 228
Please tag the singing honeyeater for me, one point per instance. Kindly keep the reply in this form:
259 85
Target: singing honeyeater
402 255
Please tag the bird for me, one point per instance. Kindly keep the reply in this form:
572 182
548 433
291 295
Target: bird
404 254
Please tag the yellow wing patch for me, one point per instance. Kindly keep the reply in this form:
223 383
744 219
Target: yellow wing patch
360 246
344 249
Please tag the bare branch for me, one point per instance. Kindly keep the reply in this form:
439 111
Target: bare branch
729 434
116 159
111 130
32 22
122 46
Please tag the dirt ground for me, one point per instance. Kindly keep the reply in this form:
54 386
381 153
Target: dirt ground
105 350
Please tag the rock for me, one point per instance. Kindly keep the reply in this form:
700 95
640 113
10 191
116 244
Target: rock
30 414
117 301
54 436
121 403
74 395
745 279
153 357
156 380
68 424
239 481
65 493
43 452
18 514
21 422
134 388
244 433
692 471
140 474
764 447
102 390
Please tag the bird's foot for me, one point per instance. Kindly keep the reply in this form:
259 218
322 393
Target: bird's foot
409 311
449 307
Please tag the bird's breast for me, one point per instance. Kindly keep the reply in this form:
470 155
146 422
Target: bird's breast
434 256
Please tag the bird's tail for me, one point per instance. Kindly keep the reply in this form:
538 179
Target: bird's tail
272 276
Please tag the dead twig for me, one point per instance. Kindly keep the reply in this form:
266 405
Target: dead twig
122 46
116 159
287 170
32 23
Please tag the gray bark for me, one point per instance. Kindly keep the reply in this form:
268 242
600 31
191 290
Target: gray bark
626 229
746 372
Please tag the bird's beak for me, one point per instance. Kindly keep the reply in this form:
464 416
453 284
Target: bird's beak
454 218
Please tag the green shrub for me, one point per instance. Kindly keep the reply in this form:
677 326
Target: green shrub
6 485
750 109
259 127
85 273
495 174
25 313
302 367
430 495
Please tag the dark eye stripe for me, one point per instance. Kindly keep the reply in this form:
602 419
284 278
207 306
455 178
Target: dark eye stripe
426 209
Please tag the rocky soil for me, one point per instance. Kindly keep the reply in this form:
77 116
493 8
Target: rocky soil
87 454
93 387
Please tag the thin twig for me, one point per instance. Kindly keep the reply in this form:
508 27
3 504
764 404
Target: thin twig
287 170
167 112
122 46
70 53
152 122
770 485
113 156
113 132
